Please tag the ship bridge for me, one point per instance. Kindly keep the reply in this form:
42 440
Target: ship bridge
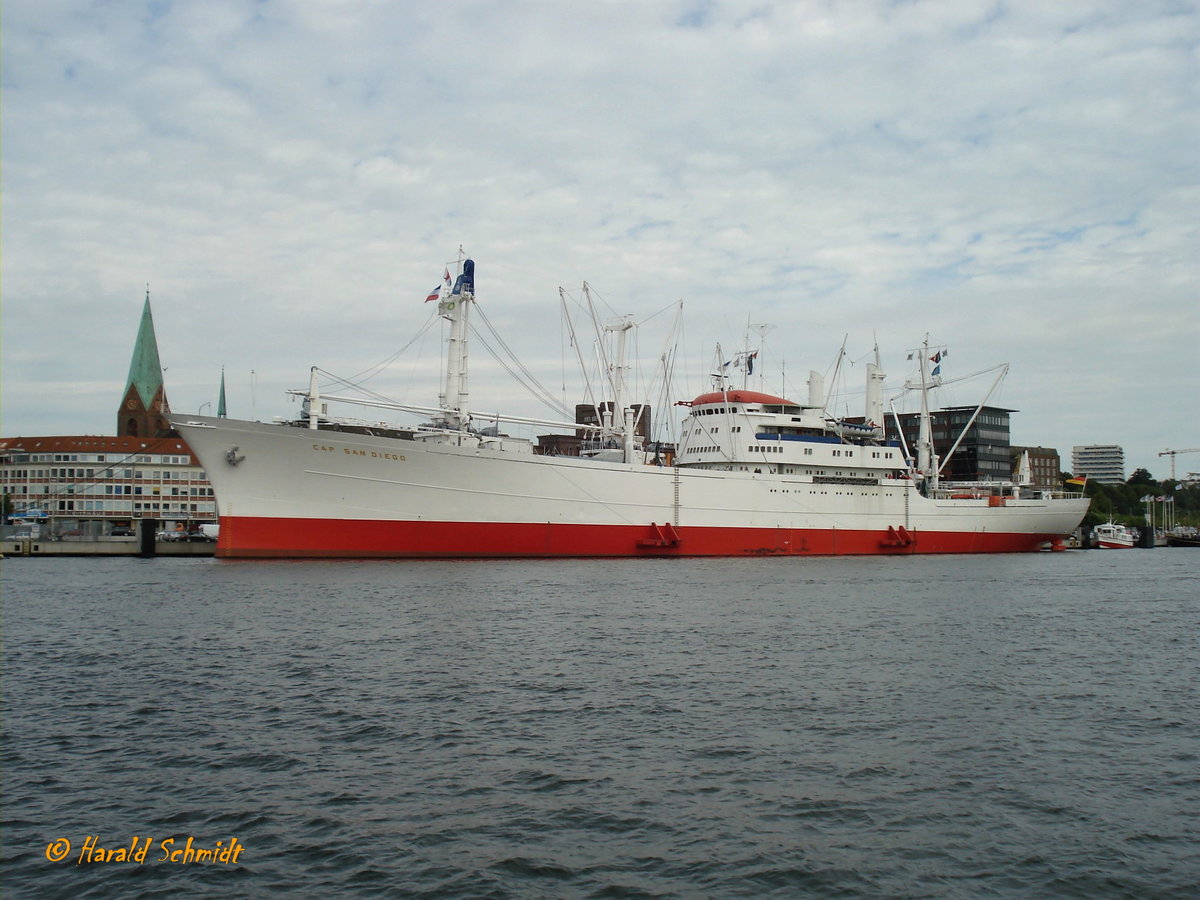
743 430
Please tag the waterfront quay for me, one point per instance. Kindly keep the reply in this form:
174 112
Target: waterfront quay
119 546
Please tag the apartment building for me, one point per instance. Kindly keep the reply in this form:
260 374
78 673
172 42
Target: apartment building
1103 463
93 485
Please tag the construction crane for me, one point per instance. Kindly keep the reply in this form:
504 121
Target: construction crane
1174 453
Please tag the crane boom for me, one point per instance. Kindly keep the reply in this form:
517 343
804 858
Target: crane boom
1174 453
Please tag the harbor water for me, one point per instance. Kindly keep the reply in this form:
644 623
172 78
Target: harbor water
986 726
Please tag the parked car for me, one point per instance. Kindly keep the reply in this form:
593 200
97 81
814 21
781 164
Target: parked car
122 532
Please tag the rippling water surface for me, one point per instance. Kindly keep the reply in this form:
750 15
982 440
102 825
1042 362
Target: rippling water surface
1000 726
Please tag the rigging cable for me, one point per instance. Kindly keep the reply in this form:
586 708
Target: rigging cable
371 371
529 381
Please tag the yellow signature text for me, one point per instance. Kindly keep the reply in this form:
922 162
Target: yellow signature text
175 850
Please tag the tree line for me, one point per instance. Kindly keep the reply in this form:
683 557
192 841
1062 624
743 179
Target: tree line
1123 502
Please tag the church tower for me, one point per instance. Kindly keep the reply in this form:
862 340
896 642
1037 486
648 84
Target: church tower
144 407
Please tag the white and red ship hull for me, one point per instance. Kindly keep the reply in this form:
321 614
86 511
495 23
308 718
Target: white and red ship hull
284 491
1114 537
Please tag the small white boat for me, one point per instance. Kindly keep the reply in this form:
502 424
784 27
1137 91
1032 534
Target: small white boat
1112 536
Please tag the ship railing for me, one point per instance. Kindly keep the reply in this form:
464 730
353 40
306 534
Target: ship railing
985 490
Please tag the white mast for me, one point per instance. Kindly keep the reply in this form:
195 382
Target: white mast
926 464
875 378
617 369
616 379
314 400
455 309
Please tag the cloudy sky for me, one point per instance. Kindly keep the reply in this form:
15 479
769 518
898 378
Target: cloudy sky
1018 180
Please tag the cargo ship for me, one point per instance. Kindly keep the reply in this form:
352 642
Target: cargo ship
752 474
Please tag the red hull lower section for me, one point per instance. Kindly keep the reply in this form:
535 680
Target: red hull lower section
329 538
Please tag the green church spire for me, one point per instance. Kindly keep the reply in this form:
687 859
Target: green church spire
145 370
221 400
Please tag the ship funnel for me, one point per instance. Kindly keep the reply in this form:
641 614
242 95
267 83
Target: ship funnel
874 410
816 389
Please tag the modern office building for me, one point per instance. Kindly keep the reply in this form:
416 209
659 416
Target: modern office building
983 453
1104 463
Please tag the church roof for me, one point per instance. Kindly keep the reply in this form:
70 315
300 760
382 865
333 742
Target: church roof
145 370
